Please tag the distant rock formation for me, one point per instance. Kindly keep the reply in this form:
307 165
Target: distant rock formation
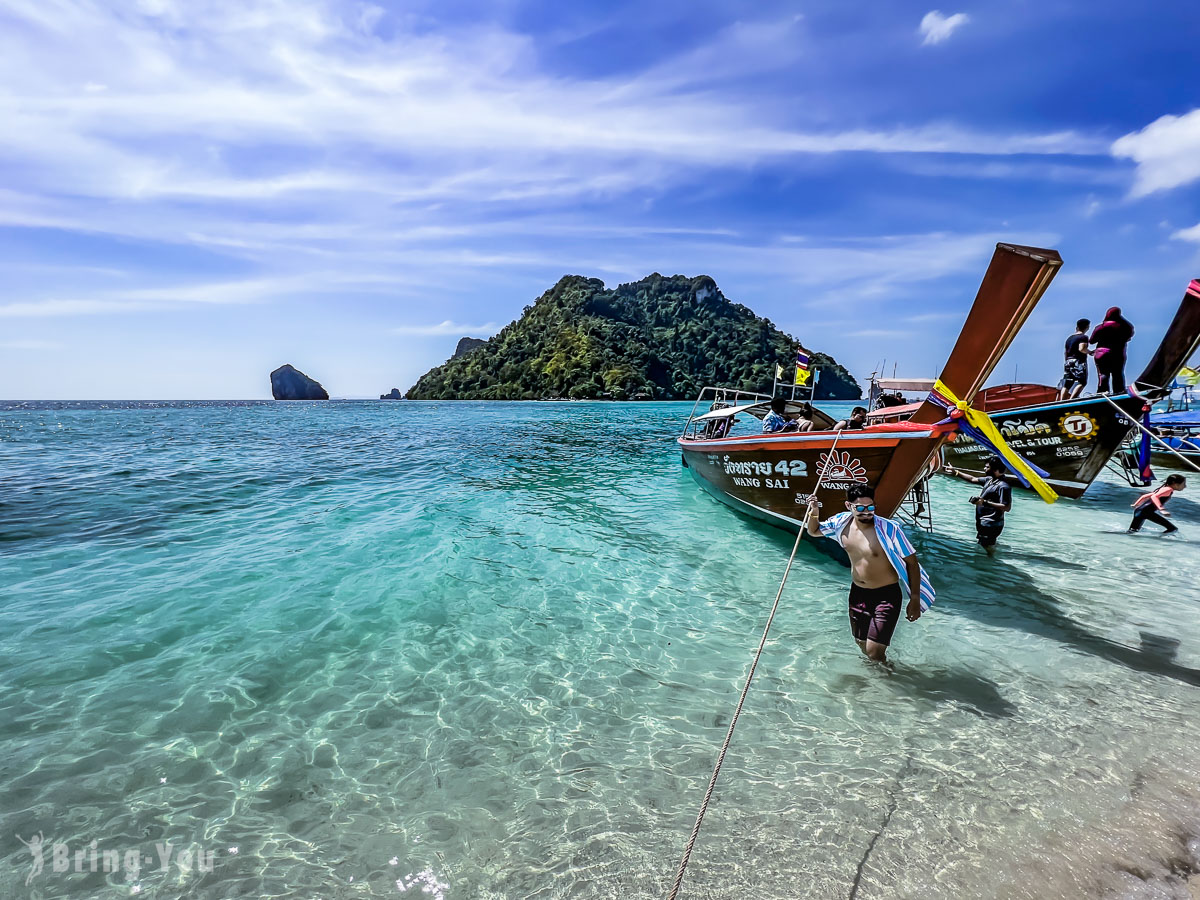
466 345
289 383
394 395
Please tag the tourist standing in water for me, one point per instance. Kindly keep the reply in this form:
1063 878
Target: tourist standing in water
880 556
1111 338
1075 374
991 503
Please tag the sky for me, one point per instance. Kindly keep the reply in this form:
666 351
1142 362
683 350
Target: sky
194 193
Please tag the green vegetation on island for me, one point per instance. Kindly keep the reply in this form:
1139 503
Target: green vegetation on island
659 338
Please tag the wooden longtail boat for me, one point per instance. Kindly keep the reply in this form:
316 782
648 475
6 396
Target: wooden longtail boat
1072 440
771 476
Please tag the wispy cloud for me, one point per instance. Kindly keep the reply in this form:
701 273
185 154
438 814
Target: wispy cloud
448 328
936 27
1167 153
1188 234
30 344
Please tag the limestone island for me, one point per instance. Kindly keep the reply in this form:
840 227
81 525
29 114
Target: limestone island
289 383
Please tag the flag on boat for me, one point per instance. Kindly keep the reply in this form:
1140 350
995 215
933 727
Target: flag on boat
778 372
802 366
1189 376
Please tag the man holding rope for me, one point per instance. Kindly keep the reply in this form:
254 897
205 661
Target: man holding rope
880 556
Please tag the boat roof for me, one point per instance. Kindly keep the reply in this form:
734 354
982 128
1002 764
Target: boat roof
727 411
904 410
905 384
1181 418
821 420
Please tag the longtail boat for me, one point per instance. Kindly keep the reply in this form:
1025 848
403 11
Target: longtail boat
1071 440
772 476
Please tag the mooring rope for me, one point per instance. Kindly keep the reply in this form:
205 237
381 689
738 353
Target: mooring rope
1145 430
712 783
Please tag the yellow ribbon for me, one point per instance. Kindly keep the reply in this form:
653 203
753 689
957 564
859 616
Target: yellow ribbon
983 423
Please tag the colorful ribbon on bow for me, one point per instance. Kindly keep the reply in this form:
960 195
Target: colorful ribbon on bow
976 424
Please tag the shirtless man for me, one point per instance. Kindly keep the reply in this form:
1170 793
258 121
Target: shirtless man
879 554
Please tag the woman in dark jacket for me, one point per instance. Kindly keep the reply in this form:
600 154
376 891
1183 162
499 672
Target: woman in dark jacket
1111 337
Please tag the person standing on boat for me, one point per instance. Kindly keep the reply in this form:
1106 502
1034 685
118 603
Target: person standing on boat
1111 338
1149 507
1075 374
881 559
991 504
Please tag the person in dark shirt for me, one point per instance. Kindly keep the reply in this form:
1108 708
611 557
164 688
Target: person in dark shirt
993 501
1111 338
858 419
1075 370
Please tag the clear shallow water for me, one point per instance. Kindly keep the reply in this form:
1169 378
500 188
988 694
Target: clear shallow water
490 650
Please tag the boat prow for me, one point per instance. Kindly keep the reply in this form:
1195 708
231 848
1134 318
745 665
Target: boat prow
772 476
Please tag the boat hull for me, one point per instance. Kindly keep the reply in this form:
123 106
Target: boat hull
1071 440
771 477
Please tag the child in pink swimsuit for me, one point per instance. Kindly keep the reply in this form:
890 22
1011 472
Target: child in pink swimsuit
1149 507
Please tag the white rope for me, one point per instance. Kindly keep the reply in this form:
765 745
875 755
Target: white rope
1145 430
712 783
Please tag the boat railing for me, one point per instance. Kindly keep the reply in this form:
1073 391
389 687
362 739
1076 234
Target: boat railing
730 397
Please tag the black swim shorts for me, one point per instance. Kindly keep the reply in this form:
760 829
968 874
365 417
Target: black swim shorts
874 612
987 534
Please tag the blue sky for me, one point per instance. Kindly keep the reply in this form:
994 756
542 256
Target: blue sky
192 193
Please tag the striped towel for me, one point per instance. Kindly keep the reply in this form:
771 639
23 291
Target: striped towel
895 544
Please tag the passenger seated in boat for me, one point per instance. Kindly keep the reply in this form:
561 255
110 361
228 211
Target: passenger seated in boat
804 419
721 427
775 421
858 419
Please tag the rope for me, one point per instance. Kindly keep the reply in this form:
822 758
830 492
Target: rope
712 783
1143 428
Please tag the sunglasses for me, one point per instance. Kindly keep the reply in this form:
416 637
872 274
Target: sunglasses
870 508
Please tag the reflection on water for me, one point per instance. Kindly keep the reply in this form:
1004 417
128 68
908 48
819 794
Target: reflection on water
490 650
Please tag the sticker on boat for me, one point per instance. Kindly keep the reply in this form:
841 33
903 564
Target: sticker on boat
841 470
1078 425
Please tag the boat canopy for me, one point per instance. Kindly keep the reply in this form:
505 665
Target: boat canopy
1181 418
821 421
755 409
905 384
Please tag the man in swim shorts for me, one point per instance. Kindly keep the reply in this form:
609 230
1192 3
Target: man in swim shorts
880 553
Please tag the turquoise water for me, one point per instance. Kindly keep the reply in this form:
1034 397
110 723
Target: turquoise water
490 651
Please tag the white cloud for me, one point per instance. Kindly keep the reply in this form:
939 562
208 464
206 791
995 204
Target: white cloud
936 27
30 344
1167 153
1188 234
447 327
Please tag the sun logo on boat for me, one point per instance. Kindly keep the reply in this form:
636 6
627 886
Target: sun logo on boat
1078 425
840 467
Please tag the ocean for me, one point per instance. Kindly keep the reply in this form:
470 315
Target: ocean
490 650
